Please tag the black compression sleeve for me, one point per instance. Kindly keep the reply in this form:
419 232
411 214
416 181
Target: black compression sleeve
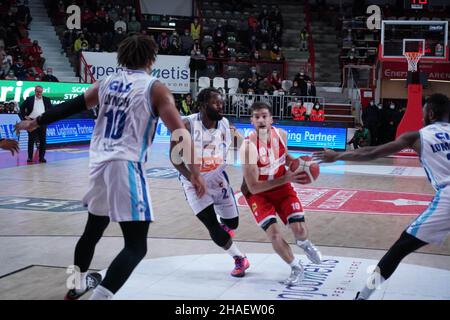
62 111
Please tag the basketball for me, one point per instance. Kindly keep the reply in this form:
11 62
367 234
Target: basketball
306 164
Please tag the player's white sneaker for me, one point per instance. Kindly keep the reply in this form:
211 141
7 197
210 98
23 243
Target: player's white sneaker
311 251
296 276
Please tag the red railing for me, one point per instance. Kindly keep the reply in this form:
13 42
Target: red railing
312 59
86 75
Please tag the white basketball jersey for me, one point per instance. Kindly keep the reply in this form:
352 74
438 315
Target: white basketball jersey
126 121
435 155
211 145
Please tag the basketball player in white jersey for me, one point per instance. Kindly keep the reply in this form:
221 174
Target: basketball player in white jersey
268 191
432 144
212 139
130 103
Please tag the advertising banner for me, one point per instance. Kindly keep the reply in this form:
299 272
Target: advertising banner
173 71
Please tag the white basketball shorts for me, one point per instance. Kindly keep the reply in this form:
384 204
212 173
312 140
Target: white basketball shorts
433 225
219 193
118 189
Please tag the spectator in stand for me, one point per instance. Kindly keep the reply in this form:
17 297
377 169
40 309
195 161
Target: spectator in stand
221 45
101 13
276 35
439 50
275 80
275 18
114 12
264 52
256 56
186 42
5 65
196 29
108 25
298 111
295 90
19 70
275 53
164 43
11 76
97 47
35 52
310 89
209 52
252 24
371 117
48 76
253 43
120 24
23 13
134 26
196 48
317 113
263 20
77 43
175 37
175 48
304 40
264 86
187 105
87 17
361 138
389 120
34 74
117 38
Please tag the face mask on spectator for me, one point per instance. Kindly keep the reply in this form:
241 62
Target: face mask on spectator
264 47
275 47
392 106
253 70
380 106
317 107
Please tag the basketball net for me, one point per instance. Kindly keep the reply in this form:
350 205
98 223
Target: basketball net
413 60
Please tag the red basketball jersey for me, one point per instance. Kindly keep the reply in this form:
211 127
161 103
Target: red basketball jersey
271 155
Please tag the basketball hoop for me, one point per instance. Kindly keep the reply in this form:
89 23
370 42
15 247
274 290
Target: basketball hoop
413 60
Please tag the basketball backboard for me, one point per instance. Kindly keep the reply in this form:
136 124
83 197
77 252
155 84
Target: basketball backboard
400 36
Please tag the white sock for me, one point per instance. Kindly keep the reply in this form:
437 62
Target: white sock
82 283
234 251
101 293
372 284
293 264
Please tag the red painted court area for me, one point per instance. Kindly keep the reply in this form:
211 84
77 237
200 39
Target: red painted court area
358 201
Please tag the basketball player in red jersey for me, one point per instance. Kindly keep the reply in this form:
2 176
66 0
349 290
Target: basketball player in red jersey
268 190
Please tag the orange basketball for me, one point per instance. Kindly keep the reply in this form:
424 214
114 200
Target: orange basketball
307 165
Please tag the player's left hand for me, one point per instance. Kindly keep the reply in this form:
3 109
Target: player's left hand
29 125
327 155
10 144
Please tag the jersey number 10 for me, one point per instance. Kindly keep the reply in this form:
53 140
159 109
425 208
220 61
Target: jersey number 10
115 124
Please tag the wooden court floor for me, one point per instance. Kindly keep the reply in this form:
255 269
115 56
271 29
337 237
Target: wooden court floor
45 240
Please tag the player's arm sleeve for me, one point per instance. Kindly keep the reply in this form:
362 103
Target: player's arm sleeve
73 106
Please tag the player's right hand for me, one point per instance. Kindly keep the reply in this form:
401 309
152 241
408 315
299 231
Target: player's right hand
198 183
29 125
10 144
